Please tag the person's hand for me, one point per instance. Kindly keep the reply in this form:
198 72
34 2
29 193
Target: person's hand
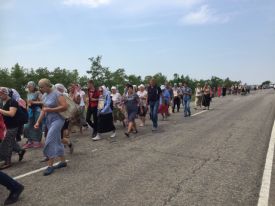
36 126
30 102
46 109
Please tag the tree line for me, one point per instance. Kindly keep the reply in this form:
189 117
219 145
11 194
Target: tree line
18 76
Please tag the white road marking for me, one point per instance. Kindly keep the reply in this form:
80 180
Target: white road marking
39 170
265 187
198 113
33 172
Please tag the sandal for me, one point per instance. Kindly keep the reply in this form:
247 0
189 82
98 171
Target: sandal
5 166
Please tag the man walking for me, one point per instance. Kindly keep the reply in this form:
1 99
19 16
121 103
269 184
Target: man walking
154 93
187 94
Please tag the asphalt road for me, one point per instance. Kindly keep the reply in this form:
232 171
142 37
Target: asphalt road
214 158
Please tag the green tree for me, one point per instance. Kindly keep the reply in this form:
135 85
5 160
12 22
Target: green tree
134 80
97 71
18 79
5 78
160 78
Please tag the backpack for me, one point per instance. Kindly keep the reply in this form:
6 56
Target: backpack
22 116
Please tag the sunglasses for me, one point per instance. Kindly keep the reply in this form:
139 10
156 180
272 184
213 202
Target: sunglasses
100 90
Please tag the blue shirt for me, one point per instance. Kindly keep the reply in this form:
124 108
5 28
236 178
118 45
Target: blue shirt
185 95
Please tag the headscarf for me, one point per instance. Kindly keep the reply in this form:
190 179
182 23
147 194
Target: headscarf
61 86
31 83
4 90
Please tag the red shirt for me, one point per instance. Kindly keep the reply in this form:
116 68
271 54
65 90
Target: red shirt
93 94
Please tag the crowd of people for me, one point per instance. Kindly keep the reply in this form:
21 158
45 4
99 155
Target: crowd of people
45 111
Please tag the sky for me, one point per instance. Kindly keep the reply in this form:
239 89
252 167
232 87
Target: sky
199 38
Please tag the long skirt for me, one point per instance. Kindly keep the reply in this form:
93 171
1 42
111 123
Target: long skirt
9 144
198 101
30 132
53 147
206 100
105 123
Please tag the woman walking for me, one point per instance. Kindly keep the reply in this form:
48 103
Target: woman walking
11 119
142 94
117 109
198 96
34 101
131 102
54 102
65 133
105 115
206 96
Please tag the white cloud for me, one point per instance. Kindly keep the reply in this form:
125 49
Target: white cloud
90 3
204 15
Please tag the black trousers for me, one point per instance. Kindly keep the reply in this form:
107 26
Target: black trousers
8 182
92 111
176 102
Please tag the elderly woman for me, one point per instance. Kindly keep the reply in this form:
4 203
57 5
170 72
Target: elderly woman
11 120
34 101
53 103
198 96
105 114
65 133
206 98
117 109
142 94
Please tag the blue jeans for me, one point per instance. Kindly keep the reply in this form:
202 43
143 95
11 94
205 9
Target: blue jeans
8 182
154 106
187 110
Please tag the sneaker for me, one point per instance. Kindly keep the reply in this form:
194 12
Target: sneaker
60 165
14 195
113 135
141 125
94 134
48 171
21 154
154 129
127 134
28 145
97 137
5 166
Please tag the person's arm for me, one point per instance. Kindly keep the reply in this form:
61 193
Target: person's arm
39 120
62 106
107 105
10 113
